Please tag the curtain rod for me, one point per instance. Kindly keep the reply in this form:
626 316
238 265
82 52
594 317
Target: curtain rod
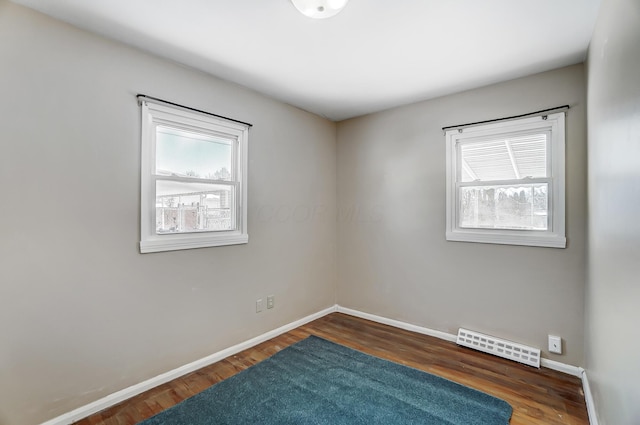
460 126
155 99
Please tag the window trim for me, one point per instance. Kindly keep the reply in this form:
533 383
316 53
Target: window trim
154 113
554 237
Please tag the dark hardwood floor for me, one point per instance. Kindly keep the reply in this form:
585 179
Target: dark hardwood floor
538 396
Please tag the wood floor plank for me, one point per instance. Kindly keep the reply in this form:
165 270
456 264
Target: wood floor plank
538 396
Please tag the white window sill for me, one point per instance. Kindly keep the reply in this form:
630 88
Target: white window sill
178 242
546 240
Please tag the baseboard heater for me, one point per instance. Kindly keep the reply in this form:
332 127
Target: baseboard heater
499 347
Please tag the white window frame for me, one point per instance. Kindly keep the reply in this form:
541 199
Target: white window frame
554 237
158 113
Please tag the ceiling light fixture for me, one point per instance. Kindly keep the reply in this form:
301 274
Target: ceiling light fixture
319 9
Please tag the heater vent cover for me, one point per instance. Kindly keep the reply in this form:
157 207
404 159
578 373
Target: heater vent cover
499 347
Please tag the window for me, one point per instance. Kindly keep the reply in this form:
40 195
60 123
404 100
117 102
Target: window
193 180
505 182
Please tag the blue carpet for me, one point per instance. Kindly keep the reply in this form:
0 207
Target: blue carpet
318 382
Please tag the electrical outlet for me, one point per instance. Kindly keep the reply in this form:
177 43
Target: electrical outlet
259 305
270 301
555 344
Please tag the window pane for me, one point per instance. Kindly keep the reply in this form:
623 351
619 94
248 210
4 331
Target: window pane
512 158
186 154
193 207
520 207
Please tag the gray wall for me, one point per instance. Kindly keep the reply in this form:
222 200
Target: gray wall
613 291
82 313
393 259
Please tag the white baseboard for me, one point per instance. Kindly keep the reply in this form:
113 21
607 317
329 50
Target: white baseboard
588 398
119 396
562 367
549 364
398 324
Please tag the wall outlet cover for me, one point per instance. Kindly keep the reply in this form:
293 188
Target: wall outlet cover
555 344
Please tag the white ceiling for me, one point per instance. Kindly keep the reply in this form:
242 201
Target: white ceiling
374 55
